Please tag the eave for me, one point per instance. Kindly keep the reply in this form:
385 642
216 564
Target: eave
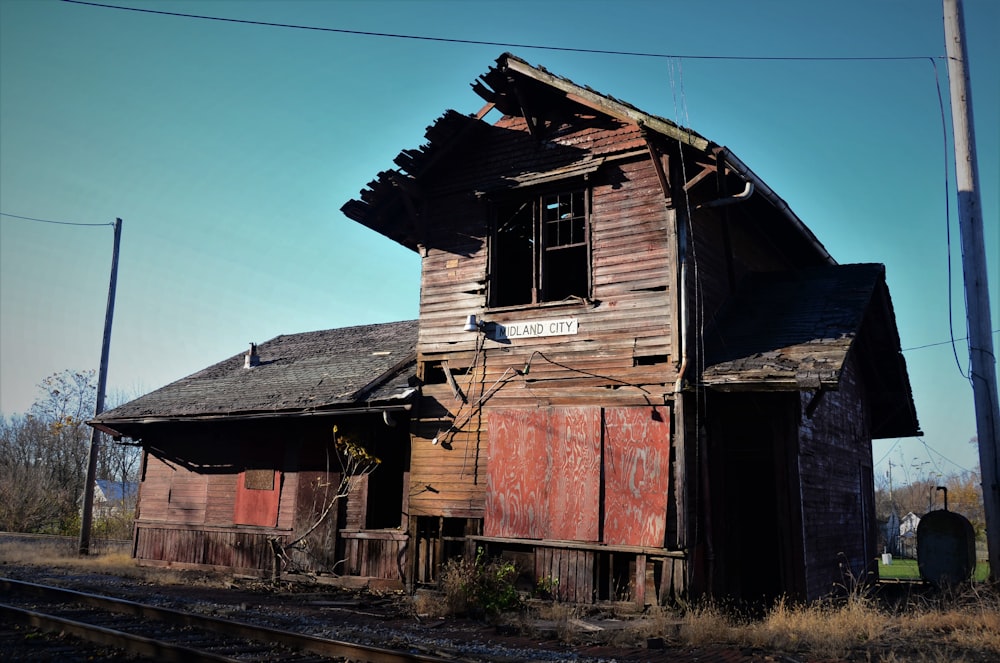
112 426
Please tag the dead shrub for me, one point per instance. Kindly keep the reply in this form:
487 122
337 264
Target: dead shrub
428 604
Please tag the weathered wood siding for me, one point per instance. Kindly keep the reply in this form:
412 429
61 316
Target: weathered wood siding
623 352
195 508
835 465
166 545
375 554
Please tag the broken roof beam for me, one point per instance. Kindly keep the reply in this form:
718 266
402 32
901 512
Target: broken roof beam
607 105
656 156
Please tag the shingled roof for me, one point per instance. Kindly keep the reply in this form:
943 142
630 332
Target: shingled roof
795 330
331 370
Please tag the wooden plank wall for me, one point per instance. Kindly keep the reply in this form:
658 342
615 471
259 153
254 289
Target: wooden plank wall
374 554
622 354
835 466
202 547
182 510
569 575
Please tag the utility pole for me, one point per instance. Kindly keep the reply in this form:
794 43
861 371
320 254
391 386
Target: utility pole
102 383
890 484
982 361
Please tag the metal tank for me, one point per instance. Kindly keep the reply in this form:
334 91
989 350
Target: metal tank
946 547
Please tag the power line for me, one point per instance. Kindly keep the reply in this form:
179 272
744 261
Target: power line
931 450
949 342
501 44
60 223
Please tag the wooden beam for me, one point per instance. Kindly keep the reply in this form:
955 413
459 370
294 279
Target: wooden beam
706 170
656 158
640 580
450 379
531 120
408 191
609 106
485 109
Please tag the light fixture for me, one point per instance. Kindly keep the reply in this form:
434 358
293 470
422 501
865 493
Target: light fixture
471 324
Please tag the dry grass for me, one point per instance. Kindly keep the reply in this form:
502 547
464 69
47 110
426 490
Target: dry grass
959 628
825 630
61 552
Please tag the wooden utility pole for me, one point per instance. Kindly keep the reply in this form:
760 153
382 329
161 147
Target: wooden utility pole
982 361
102 383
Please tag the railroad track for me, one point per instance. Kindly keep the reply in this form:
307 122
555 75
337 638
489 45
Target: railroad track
173 635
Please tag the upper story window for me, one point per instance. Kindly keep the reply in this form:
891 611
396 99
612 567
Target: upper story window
541 249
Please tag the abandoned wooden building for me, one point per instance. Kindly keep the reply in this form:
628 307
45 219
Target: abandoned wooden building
241 461
636 372
641 374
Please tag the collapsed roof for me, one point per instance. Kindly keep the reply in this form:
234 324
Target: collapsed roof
388 205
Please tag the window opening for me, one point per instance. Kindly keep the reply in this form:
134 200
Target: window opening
540 250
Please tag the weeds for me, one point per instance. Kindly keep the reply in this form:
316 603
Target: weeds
483 585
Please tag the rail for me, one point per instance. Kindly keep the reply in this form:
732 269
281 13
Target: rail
166 634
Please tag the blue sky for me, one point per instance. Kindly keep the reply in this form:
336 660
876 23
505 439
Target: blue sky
227 149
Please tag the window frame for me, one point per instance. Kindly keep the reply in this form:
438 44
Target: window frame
543 253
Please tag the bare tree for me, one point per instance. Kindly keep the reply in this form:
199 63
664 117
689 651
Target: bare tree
355 462
31 500
44 455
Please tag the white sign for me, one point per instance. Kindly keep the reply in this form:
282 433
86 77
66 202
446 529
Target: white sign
509 331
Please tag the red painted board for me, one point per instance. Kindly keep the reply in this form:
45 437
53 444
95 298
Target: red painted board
257 507
575 478
516 483
544 474
637 475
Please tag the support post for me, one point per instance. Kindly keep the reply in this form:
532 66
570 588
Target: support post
102 383
982 361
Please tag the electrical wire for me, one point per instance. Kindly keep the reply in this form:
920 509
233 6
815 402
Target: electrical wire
60 223
886 454
930 450
947 219
501 44
950 342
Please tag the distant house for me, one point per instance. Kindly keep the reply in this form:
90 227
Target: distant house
908 535
112 498
908 524
240 457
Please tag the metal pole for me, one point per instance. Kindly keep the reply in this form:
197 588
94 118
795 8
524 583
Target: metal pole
982 361
102 382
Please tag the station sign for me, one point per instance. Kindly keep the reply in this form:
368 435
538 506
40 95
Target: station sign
513 330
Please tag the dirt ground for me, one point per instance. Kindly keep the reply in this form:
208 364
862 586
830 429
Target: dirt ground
543 631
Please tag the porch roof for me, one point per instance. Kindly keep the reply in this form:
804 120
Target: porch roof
367 366
786 331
